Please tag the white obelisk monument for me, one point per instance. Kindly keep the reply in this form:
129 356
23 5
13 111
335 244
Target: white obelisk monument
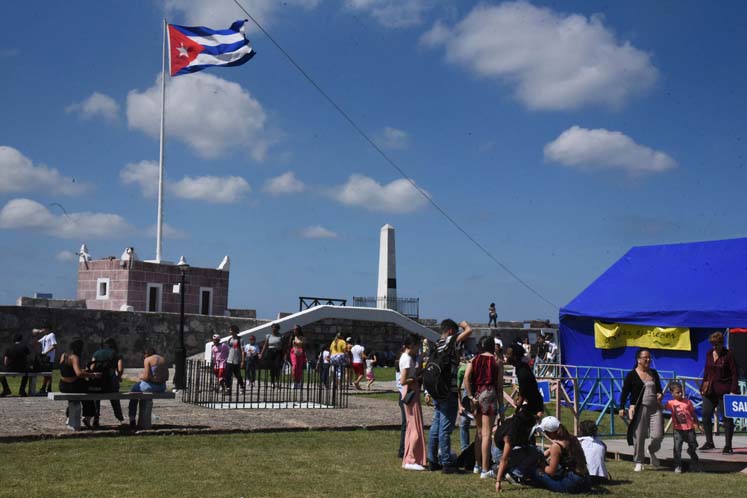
387 292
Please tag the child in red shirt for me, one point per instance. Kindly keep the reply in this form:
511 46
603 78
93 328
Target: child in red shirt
684 421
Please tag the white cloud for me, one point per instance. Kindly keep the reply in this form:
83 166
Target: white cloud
214 189
317 232
211 115
392 138
97 104
398 196
144 174
66 256
169 232
556 61
221 190
287 183
592 150
18 174
220 15
393 13
28 214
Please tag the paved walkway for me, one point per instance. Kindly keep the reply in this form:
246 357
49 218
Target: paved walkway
711 459
29 418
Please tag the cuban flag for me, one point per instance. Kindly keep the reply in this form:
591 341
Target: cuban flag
196 48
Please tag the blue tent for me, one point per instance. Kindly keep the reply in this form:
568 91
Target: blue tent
699 285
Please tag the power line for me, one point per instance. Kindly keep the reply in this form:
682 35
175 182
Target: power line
391 162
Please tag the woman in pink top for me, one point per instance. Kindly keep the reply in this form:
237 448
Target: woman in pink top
218 359
297 358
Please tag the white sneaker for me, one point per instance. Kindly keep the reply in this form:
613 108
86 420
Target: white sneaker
413 466
654 460
487 475
476 469
678 470
638 467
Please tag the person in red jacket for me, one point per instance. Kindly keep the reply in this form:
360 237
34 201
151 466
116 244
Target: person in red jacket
719 377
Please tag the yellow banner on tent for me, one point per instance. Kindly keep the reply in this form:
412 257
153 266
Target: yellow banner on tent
621 335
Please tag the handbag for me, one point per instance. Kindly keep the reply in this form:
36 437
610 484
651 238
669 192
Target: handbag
408 397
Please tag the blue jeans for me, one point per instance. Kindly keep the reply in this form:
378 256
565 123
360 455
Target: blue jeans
464 425
569 483
439 438
143 387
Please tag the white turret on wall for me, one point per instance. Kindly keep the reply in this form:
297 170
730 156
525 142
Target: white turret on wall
387 291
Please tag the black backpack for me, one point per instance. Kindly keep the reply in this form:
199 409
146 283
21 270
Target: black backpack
437 374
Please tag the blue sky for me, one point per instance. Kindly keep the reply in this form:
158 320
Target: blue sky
558 134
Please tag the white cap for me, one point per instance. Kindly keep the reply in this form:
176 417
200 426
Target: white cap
549 424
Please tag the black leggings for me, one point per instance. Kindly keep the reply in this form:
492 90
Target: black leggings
79 386
710 403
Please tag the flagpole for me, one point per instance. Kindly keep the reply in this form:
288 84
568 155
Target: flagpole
159 228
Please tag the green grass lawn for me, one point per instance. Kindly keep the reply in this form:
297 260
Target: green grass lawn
360 464
15 383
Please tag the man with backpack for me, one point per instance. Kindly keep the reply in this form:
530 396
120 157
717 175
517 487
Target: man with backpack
108 362
440 380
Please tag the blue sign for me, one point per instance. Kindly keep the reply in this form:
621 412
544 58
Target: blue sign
544 388
735 406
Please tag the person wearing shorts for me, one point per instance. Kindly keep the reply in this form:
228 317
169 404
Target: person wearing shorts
483 381
358 354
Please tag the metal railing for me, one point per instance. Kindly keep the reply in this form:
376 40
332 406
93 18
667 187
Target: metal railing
597 389
267 386
408 306
306 302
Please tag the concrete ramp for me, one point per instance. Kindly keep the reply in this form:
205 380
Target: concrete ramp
317 313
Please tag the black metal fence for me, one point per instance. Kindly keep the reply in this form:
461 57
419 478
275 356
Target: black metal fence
306 302
408 306
267 386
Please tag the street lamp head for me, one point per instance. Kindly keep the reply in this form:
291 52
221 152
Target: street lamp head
182 264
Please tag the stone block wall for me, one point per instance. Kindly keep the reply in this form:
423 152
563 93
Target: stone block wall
132 330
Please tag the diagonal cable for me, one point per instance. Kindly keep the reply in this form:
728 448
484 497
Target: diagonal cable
391 162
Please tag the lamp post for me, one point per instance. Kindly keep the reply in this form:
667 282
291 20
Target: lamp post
181 352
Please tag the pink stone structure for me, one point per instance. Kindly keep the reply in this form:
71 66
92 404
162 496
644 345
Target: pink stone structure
114 284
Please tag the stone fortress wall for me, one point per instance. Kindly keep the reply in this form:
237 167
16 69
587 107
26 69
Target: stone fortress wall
134 330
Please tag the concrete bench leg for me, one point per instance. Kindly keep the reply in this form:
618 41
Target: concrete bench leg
144 415
74 410
32 385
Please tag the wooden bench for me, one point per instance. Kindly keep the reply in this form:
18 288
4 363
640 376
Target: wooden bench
32 378
144 409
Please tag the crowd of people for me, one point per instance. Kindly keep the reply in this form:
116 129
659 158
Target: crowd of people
505 448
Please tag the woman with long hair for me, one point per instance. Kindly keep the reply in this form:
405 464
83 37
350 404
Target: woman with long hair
415 456
566 470
297 357
719 377
73 380
483 381
643 386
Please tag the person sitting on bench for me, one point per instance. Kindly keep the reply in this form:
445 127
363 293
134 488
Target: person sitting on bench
73 380
16 360
152 379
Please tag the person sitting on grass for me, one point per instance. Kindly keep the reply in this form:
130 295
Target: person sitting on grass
513 447
594 451
566 470
152 379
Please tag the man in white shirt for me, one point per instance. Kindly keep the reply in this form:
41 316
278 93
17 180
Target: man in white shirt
359 356
48 350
